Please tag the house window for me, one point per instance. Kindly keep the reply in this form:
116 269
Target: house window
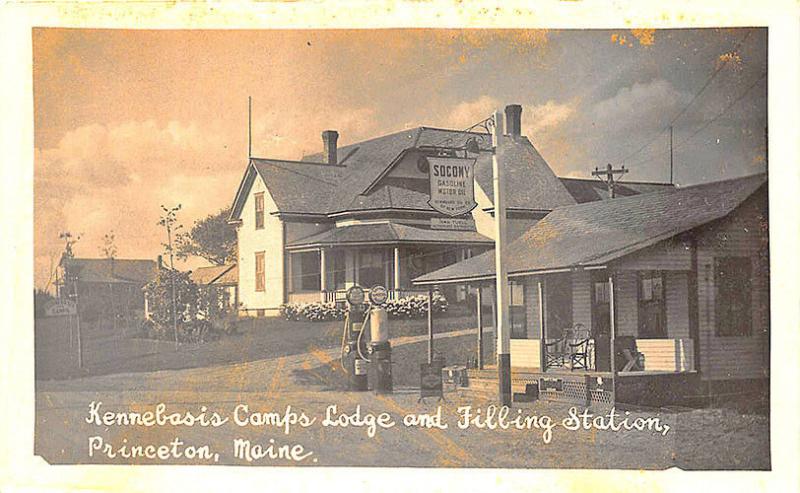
601 292
558 304
733 301
337 269
517 316
601 306
309 271
652 306
259 200
260 275
371 268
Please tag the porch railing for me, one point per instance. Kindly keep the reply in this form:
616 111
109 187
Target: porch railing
661 355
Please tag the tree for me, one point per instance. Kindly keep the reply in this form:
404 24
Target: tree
69 243
211 238
172 298
109 248
169 221
109 251
67 277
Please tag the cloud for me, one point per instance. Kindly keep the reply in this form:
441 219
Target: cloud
545 124
546 117
468 113
114 177
536 118
640 106
284 135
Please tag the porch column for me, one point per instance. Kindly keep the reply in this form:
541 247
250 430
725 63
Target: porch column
479 302
430 325
323 269
542 348
612 330
396 266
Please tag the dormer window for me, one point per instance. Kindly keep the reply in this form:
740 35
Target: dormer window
259 199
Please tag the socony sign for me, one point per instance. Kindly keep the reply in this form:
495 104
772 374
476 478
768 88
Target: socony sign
452 185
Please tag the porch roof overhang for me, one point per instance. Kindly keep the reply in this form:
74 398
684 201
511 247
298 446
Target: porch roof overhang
387 233
594 235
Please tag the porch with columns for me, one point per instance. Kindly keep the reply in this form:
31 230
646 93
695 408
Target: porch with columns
324 274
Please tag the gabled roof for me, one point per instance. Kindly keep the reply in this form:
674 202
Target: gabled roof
354 184
592 189
386 233
530 183
216 274
365 161
595 233
296 187
136 271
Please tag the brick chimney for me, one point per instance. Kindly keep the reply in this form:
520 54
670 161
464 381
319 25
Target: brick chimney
329 139
514 120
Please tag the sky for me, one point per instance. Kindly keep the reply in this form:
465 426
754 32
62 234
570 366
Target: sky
128 120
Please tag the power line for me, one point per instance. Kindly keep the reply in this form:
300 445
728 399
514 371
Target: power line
694 98
708 122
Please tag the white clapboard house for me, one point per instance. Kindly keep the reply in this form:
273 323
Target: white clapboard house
360 213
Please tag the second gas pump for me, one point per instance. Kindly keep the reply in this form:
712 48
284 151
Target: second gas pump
358 357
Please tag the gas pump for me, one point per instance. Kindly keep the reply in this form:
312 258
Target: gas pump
380 349
354 347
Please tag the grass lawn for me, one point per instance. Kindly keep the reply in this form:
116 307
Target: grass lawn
257 339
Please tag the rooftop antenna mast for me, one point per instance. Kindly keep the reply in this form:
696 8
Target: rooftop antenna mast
249 127
607 175
671 181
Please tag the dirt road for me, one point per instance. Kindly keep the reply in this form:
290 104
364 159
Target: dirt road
286 388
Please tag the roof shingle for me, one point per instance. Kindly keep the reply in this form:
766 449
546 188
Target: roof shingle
592 190
387 233
216 274
139 271
597 232
312 187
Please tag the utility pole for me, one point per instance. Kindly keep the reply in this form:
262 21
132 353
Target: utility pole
608 177
172 276
74 278
502 297
670 156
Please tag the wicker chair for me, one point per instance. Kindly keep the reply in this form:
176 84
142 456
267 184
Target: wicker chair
577 347
555 352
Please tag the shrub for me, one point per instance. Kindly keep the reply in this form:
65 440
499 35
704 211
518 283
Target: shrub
415 306
408 307
159 297
313 312
40 299
202 312
290 311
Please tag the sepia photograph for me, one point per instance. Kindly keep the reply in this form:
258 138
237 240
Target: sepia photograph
440 248
393 245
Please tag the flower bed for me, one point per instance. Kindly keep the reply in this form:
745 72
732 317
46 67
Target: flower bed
404 308
312 312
